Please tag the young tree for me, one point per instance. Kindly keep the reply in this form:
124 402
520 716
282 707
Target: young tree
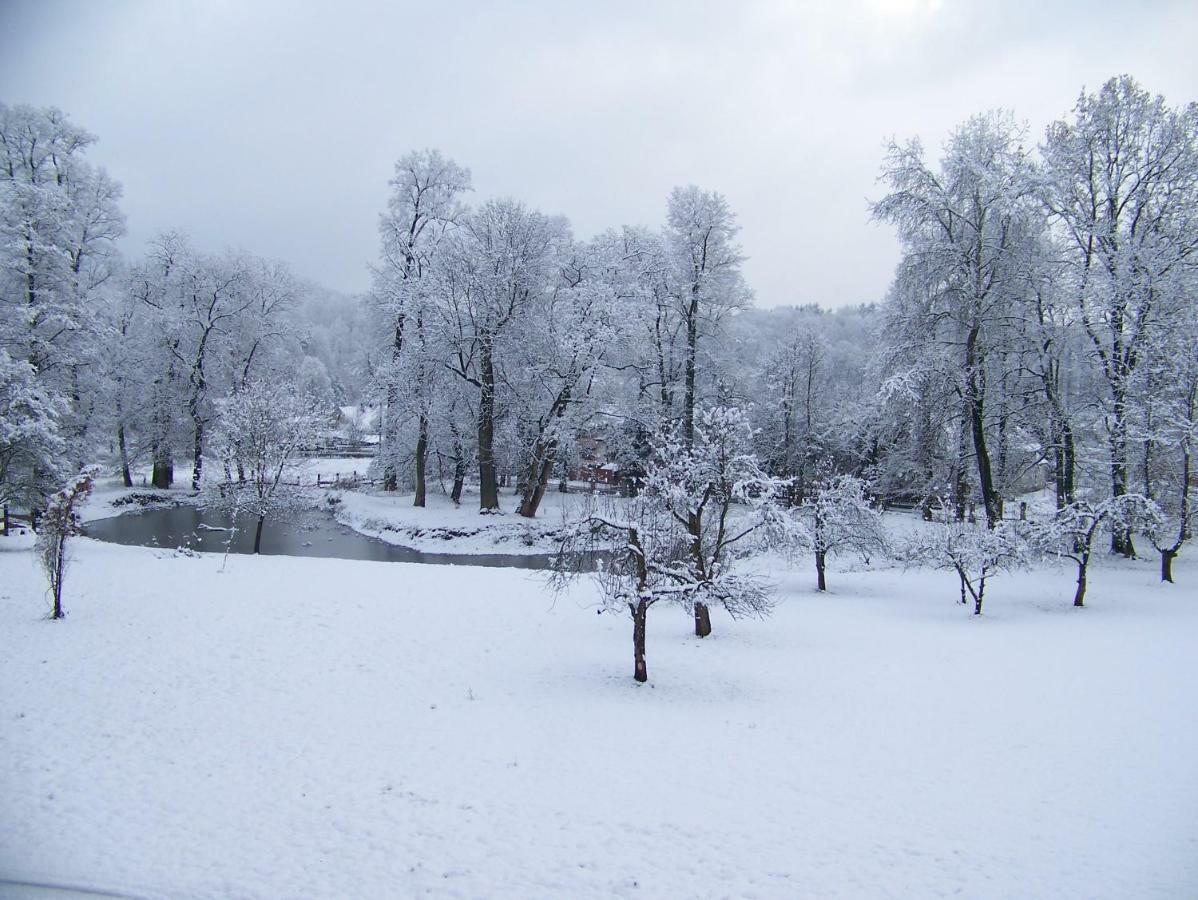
647 550
974 553
57 524
1070 532
840 518
263 427
715 489
646 564
1175 435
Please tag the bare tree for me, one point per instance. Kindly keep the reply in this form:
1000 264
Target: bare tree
58 523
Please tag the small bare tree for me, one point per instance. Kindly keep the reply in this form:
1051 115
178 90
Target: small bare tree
1070 532
264 427
842 520
975 553
57 524
639 555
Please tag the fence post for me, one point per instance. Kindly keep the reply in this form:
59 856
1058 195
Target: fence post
5 531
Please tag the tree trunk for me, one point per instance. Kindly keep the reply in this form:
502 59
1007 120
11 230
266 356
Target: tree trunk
1167 557
702 619
421 460
388 433
977 598
692 348
197 469
126 476
640 671
1121 541
977 427
488 484
258 535
163 475
59 558
820 558
1079 596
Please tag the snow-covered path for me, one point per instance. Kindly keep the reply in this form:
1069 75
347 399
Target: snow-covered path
320 728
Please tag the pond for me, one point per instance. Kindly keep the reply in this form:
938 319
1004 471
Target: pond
311 532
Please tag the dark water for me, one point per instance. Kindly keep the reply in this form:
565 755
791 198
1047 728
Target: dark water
303 533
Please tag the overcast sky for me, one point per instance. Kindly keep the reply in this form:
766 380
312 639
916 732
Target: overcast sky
274 126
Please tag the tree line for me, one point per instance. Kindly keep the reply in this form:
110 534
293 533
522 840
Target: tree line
1039 332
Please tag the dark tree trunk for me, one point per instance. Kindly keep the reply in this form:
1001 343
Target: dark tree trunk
1167 557
1121 541
258 534
389 435
59 558
702 619
1079 596
534 491
163 475
692 348
640 671
197 470
123 447
977 427
820 559
421 460
977 598
1066 490
488 484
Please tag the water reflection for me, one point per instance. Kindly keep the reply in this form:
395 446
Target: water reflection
303 533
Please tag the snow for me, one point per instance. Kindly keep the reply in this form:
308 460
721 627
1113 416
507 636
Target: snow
324 728
445 527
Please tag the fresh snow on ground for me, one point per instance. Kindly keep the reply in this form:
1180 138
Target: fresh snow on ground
309 728
445 527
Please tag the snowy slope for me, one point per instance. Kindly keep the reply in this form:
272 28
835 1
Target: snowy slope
328 729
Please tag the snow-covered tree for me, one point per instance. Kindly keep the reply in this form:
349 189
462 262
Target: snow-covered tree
1121 182
725 503
704 510
966 230
59 219
975 553
703 278
841 519
1070 532
262 428
425 203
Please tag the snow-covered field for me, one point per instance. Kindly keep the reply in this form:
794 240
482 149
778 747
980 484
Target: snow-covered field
320 728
